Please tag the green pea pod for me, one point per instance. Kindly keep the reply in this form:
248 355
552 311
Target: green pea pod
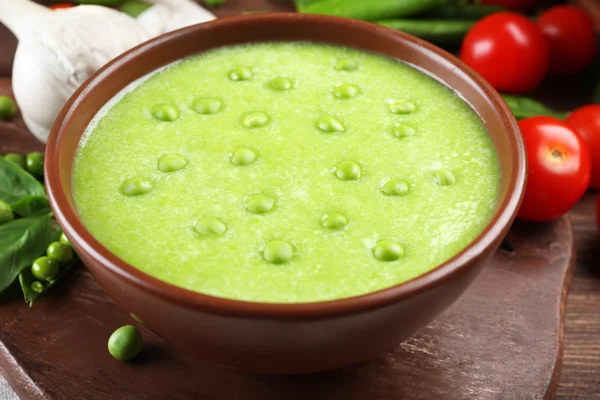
368 10
32 288
134 8
524 107
463 11
439 32
107 3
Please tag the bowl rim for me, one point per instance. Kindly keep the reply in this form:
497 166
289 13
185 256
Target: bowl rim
72 225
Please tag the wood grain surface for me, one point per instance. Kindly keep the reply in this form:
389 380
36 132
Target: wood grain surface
501 340
581 369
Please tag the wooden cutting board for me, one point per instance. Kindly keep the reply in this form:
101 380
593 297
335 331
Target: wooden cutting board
502 340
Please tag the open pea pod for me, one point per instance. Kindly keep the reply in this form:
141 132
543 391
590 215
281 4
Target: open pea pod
32 288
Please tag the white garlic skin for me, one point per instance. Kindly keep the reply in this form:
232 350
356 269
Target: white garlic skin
57 55
58 50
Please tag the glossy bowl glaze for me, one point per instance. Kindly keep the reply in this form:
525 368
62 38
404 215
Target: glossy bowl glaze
284 338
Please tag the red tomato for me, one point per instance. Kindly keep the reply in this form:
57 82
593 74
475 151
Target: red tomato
512 4
508 50
586 122
570 32
559 168
59 6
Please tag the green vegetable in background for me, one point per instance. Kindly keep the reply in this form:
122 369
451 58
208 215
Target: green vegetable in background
214 3
463 11
8 108
597 93
22 241
524 107
16 183
368 10
440 32
134 8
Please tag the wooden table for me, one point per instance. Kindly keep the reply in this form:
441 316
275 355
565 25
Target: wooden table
581 370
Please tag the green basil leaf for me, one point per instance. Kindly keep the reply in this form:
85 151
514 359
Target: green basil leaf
26 278
31 206
16 183
524 107
21 242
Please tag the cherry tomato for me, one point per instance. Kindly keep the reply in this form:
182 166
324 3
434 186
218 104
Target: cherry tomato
508 50
559 168
59 6
512 4
586 122
570 32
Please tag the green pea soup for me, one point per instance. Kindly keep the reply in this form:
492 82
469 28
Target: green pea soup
286 172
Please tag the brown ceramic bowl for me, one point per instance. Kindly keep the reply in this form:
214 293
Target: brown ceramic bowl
284 338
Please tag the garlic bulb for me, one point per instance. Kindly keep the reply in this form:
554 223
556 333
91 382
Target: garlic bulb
58 50
169 15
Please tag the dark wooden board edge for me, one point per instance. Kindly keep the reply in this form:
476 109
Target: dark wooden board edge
568 277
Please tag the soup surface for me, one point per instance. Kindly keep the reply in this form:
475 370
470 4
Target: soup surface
286 172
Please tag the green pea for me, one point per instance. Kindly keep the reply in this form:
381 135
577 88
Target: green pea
256 119
37 286
278 252
210 227
172 162
443 177
207 105
280 84
402 107
18 159
64 239
45 268
136 186
240 74
260 204
6 214
346 91
330 125
59 252
165 112
334 221
386 250
395 187
348 171
346 64
34 163
125 343
402 130
8 108
243 156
